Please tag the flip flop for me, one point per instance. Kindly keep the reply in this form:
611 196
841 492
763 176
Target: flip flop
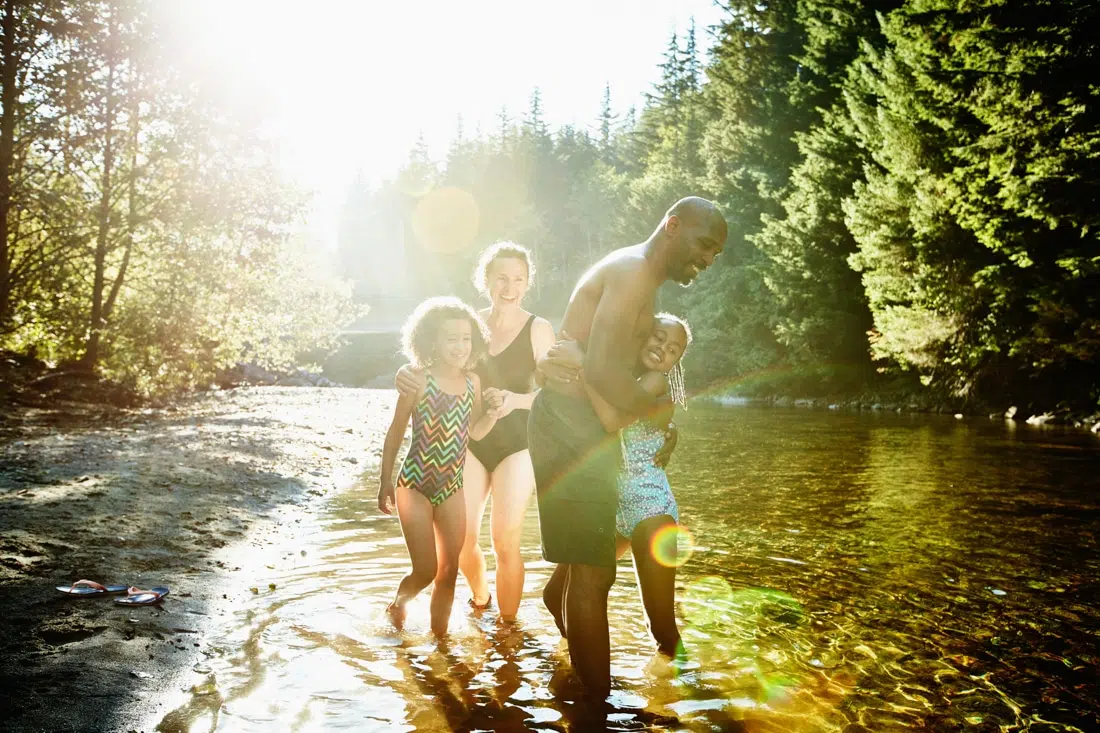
91 588
139 597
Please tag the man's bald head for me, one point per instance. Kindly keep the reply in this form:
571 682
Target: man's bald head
700 211
698 232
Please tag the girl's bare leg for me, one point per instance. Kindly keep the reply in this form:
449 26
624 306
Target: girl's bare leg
657 583
450 532
415 512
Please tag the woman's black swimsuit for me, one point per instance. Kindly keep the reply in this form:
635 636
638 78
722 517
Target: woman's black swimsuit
514 370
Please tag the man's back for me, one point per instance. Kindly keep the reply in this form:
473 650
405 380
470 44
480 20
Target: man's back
624 271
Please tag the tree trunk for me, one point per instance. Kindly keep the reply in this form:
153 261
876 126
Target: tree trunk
90 360
8 97
131 196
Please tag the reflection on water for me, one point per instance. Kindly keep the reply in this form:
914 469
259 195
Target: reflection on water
850 573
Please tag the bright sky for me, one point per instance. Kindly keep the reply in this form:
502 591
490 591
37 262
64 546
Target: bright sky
346 86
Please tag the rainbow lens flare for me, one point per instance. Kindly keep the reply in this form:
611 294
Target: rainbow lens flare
672 546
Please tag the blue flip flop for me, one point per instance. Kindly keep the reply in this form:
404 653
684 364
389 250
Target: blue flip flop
139 597
91 588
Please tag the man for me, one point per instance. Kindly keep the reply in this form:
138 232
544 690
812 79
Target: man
610 314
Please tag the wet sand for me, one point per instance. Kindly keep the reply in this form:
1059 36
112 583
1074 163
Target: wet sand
185 497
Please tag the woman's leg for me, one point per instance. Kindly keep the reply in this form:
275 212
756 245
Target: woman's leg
415 512
513 482
657 583
475 488
450 529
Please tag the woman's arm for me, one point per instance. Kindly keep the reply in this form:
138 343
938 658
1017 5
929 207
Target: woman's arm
410 380
561 363
542 339
401 414
481 420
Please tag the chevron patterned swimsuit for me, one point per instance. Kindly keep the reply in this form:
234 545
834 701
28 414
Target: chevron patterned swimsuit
437 453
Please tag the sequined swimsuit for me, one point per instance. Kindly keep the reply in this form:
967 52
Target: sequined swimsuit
437 453
644 490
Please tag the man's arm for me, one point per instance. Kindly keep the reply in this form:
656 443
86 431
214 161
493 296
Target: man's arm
612 351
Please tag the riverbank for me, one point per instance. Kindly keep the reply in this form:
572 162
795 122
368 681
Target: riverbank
865 403
176 496
848 391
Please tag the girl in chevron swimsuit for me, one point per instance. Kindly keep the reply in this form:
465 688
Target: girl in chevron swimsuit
446 338
499 466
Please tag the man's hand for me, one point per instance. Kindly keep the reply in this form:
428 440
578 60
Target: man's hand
410 380
672 436
564 361
387 498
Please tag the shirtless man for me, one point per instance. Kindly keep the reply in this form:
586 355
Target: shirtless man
576 462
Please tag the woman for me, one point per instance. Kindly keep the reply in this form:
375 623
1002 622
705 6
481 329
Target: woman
499 463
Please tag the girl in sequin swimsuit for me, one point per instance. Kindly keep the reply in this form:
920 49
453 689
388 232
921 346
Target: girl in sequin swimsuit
446 338
647 508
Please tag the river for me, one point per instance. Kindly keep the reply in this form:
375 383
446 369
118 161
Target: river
849 572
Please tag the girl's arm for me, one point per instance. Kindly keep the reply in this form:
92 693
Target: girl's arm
401 414
613 419
481 420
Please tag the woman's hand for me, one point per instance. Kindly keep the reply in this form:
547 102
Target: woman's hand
564 361
494 401
387 498
410 380
672 436
509 401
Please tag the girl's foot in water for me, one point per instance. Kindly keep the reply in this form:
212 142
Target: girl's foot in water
396 613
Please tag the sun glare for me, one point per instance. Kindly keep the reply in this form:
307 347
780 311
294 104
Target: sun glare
346 87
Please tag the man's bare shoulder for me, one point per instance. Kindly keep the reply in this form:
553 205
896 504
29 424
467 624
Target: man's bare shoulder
622 261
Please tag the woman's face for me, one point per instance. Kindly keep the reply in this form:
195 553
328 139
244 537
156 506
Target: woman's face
506 278
664 347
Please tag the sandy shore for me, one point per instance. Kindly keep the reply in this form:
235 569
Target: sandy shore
174 497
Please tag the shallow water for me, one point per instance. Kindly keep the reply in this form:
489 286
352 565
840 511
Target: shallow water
851 573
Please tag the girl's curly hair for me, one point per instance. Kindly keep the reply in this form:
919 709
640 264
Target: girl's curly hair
498 251
420 333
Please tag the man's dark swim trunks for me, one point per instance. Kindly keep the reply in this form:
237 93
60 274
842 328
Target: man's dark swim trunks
576 466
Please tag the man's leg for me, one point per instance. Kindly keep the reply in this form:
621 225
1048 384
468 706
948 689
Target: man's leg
553 596
586 590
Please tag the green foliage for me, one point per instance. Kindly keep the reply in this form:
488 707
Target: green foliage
145 235
977 227
911 189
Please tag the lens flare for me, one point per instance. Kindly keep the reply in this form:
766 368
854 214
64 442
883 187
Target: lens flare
446 220
775 688
708 603
672 546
